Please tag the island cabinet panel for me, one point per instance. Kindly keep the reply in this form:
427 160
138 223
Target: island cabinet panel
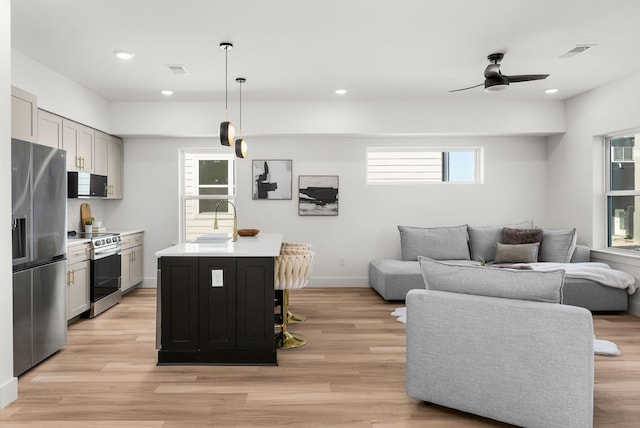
179 307
255 296
217 304
217 310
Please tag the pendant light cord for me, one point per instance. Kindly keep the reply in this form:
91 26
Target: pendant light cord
240 109
226 82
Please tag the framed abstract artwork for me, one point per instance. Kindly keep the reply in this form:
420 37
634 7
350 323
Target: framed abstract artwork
271 179
317 195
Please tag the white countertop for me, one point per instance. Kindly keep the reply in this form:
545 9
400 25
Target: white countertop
128 232
261 245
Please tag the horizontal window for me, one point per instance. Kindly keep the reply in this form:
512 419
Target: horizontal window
386 165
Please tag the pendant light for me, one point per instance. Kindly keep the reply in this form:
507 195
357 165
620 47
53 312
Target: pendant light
227 132
241 144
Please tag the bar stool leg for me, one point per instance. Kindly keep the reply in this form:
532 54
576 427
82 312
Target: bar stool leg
295 318
285 339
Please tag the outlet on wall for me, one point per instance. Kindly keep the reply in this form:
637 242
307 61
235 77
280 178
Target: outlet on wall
341 261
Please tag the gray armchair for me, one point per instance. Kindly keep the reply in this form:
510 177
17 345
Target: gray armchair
528 363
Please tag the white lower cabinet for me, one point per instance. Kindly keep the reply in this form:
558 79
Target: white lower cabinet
132 260
78 279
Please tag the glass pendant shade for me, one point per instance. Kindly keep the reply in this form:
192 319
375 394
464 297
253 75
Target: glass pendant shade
241 148
227 133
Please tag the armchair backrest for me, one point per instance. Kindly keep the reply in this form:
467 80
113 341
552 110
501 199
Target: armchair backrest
522 362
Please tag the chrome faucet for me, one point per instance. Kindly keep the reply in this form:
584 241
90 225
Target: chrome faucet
235 219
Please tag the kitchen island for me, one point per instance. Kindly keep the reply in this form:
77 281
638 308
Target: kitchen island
216 302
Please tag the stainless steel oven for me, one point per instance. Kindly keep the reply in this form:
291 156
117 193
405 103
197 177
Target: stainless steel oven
105 272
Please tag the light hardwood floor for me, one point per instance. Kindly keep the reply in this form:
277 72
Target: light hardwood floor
351 373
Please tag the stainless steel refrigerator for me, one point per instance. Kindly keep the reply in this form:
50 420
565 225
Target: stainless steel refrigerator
39 214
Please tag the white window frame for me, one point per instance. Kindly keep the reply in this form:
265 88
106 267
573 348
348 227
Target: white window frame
203 154
196 173
607 189
413 152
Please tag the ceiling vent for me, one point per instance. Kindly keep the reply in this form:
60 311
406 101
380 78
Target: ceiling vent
178 69
575 51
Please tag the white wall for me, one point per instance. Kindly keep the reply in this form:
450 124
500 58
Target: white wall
366 227
576 160
8 383
449 116
59 94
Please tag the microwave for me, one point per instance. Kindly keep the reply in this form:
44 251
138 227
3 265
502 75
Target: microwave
86 185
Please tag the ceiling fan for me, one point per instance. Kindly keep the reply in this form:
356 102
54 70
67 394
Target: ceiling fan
494 80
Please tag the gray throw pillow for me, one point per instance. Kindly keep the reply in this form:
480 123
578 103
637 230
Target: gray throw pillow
557 246
482 240
517 253
439 243
493 282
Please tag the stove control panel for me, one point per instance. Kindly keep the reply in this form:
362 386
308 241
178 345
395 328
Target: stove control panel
108 240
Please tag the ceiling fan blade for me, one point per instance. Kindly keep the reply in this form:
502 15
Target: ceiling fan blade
525 77
470 87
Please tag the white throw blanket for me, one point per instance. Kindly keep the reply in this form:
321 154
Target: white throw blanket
597 272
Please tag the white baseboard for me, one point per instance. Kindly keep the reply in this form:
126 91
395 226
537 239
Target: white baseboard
339 282
149 283
8 392
327 281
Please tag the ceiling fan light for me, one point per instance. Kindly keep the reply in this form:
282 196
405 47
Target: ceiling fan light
227 134
496 87
241 148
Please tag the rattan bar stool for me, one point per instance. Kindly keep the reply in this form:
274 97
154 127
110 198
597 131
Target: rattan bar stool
292 271
291 248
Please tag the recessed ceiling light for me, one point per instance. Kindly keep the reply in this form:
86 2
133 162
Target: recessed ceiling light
551 91
124 54
341 91
166 92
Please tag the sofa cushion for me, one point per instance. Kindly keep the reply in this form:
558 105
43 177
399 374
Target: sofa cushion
517 253
482 240
557 245
521 236
492 281
439 243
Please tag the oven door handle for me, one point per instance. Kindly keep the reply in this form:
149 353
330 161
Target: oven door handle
108 254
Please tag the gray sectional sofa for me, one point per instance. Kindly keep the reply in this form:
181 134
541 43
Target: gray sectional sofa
473 245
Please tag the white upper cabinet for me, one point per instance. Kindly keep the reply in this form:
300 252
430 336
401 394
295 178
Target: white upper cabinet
114 168
102 141
24 115
49 129
78 141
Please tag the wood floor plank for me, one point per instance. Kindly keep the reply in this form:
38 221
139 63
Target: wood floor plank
351 373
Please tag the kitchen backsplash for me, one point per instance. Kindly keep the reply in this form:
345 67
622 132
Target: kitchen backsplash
73 212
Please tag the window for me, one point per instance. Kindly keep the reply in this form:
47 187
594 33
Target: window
208 182
387 165
622 192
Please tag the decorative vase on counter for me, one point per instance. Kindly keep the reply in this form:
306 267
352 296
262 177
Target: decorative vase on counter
88 228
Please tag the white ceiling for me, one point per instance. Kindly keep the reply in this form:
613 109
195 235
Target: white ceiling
304 50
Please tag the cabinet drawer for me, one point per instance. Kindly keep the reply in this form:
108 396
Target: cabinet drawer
130 241
78 253
137 239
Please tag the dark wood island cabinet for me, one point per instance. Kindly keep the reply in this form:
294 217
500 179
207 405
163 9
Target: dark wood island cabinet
216 302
